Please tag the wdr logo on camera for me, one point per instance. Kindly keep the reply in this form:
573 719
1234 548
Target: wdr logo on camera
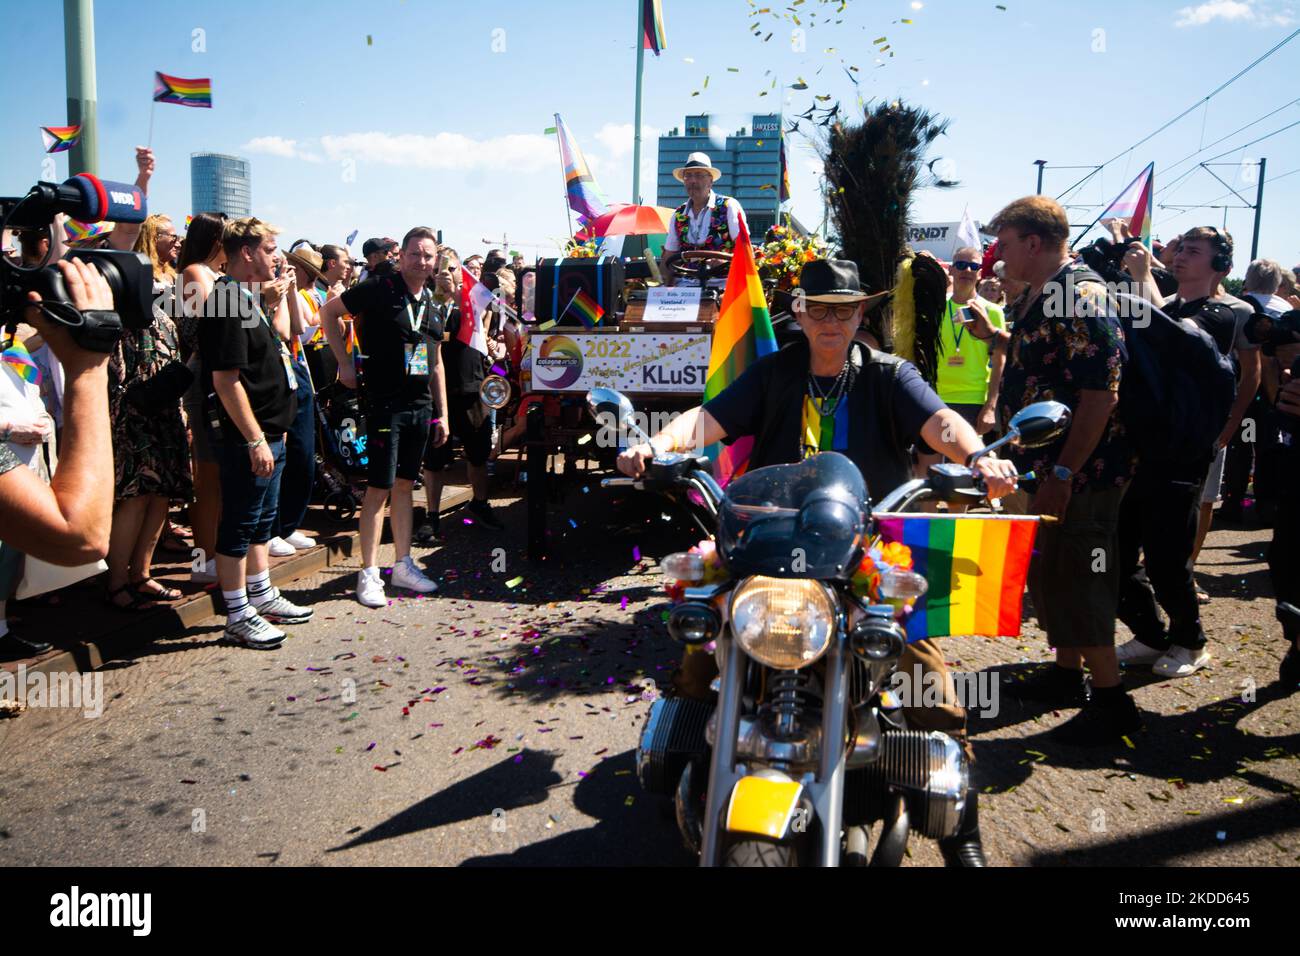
103 909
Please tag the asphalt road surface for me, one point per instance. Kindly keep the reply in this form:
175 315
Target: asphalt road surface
496 723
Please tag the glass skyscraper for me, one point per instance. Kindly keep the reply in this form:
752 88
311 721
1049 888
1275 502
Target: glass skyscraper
220 183
748 160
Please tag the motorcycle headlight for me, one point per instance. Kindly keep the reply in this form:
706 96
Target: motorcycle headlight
781 622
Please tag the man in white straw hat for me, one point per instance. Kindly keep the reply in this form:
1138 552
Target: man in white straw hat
706 222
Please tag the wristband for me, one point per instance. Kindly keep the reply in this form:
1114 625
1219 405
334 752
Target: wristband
253 444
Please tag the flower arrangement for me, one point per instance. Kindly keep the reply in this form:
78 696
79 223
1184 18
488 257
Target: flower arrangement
782 255
573 249
881 559
713 571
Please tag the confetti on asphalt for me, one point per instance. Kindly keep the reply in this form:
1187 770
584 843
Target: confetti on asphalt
514 582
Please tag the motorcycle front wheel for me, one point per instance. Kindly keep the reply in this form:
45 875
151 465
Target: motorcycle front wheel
760 853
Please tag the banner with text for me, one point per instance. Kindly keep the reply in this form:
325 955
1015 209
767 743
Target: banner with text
630 362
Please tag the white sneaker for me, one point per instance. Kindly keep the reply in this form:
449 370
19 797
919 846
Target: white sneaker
1181 662
1135 652
280 548
407 574
370 588
300 541
208 575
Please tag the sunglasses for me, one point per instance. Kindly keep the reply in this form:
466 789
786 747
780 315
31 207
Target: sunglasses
820 312
962 266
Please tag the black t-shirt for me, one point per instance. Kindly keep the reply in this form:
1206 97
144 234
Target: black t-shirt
234 334
878 421
397 335
464 367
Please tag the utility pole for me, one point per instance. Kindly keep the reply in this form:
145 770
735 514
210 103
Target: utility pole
79 53
636 134
1040 163
1259 206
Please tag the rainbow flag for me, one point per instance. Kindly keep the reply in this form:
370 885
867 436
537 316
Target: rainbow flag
60 138
74 229
652 26
182 92
1134 204
585 197
976 569
585 308
742 334
20 360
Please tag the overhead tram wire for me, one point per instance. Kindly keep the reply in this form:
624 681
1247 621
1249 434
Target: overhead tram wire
1205 99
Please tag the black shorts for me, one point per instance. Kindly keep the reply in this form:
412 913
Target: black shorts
395 440
476 439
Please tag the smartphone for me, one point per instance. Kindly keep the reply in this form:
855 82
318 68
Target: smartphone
965 316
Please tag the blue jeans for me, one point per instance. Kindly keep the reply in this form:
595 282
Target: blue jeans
250 505
300 460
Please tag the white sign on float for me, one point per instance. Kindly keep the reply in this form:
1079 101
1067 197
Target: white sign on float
630 362
940 239
672 304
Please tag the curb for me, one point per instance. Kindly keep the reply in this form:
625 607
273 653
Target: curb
125 638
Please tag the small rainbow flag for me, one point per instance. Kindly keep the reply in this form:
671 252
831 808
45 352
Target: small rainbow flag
182 92
74 229
976 569
585 197
586 308
652 26
742 334
18 358
60 138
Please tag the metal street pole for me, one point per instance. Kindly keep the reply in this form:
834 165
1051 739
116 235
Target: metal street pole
79 52
1259 205
636 135
1040 163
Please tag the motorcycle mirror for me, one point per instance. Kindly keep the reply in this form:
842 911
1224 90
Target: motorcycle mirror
494 392
1040 423
608 401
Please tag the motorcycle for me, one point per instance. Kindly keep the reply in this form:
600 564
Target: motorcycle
799 754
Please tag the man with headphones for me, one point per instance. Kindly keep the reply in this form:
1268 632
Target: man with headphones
1203 260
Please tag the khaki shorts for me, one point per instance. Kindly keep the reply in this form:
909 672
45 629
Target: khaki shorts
1074 574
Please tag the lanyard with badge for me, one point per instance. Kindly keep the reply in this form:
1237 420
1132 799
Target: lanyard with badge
417 355
959 329
285 358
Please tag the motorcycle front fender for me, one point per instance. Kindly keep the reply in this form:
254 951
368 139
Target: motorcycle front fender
766 804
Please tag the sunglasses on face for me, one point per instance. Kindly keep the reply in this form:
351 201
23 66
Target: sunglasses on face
820 312
962 266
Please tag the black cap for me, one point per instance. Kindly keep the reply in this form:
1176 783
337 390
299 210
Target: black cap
377 245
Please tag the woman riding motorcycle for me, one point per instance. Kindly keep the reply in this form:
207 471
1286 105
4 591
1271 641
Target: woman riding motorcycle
833 393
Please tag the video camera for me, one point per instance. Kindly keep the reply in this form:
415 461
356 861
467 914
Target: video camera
1269 334
129 274
1106 258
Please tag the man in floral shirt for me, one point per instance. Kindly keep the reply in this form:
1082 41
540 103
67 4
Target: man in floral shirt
1067 346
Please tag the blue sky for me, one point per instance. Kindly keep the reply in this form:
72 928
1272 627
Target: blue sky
439 119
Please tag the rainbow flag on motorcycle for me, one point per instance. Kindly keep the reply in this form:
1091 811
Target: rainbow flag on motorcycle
975 566
742 335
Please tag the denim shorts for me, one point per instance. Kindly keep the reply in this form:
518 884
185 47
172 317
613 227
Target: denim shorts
395 440
250 505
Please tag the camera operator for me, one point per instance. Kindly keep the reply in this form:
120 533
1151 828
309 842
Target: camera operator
1284 552
1171 502
68 521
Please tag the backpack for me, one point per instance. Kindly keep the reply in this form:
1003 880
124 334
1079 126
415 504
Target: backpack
1177 389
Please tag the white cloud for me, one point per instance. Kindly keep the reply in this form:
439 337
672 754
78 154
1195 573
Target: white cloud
279 146
515 152
617 137
1244 11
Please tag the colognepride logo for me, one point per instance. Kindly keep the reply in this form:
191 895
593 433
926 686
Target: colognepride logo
559 363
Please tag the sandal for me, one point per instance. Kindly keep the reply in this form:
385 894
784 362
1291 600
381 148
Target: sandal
135 600
1202 595
163 593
